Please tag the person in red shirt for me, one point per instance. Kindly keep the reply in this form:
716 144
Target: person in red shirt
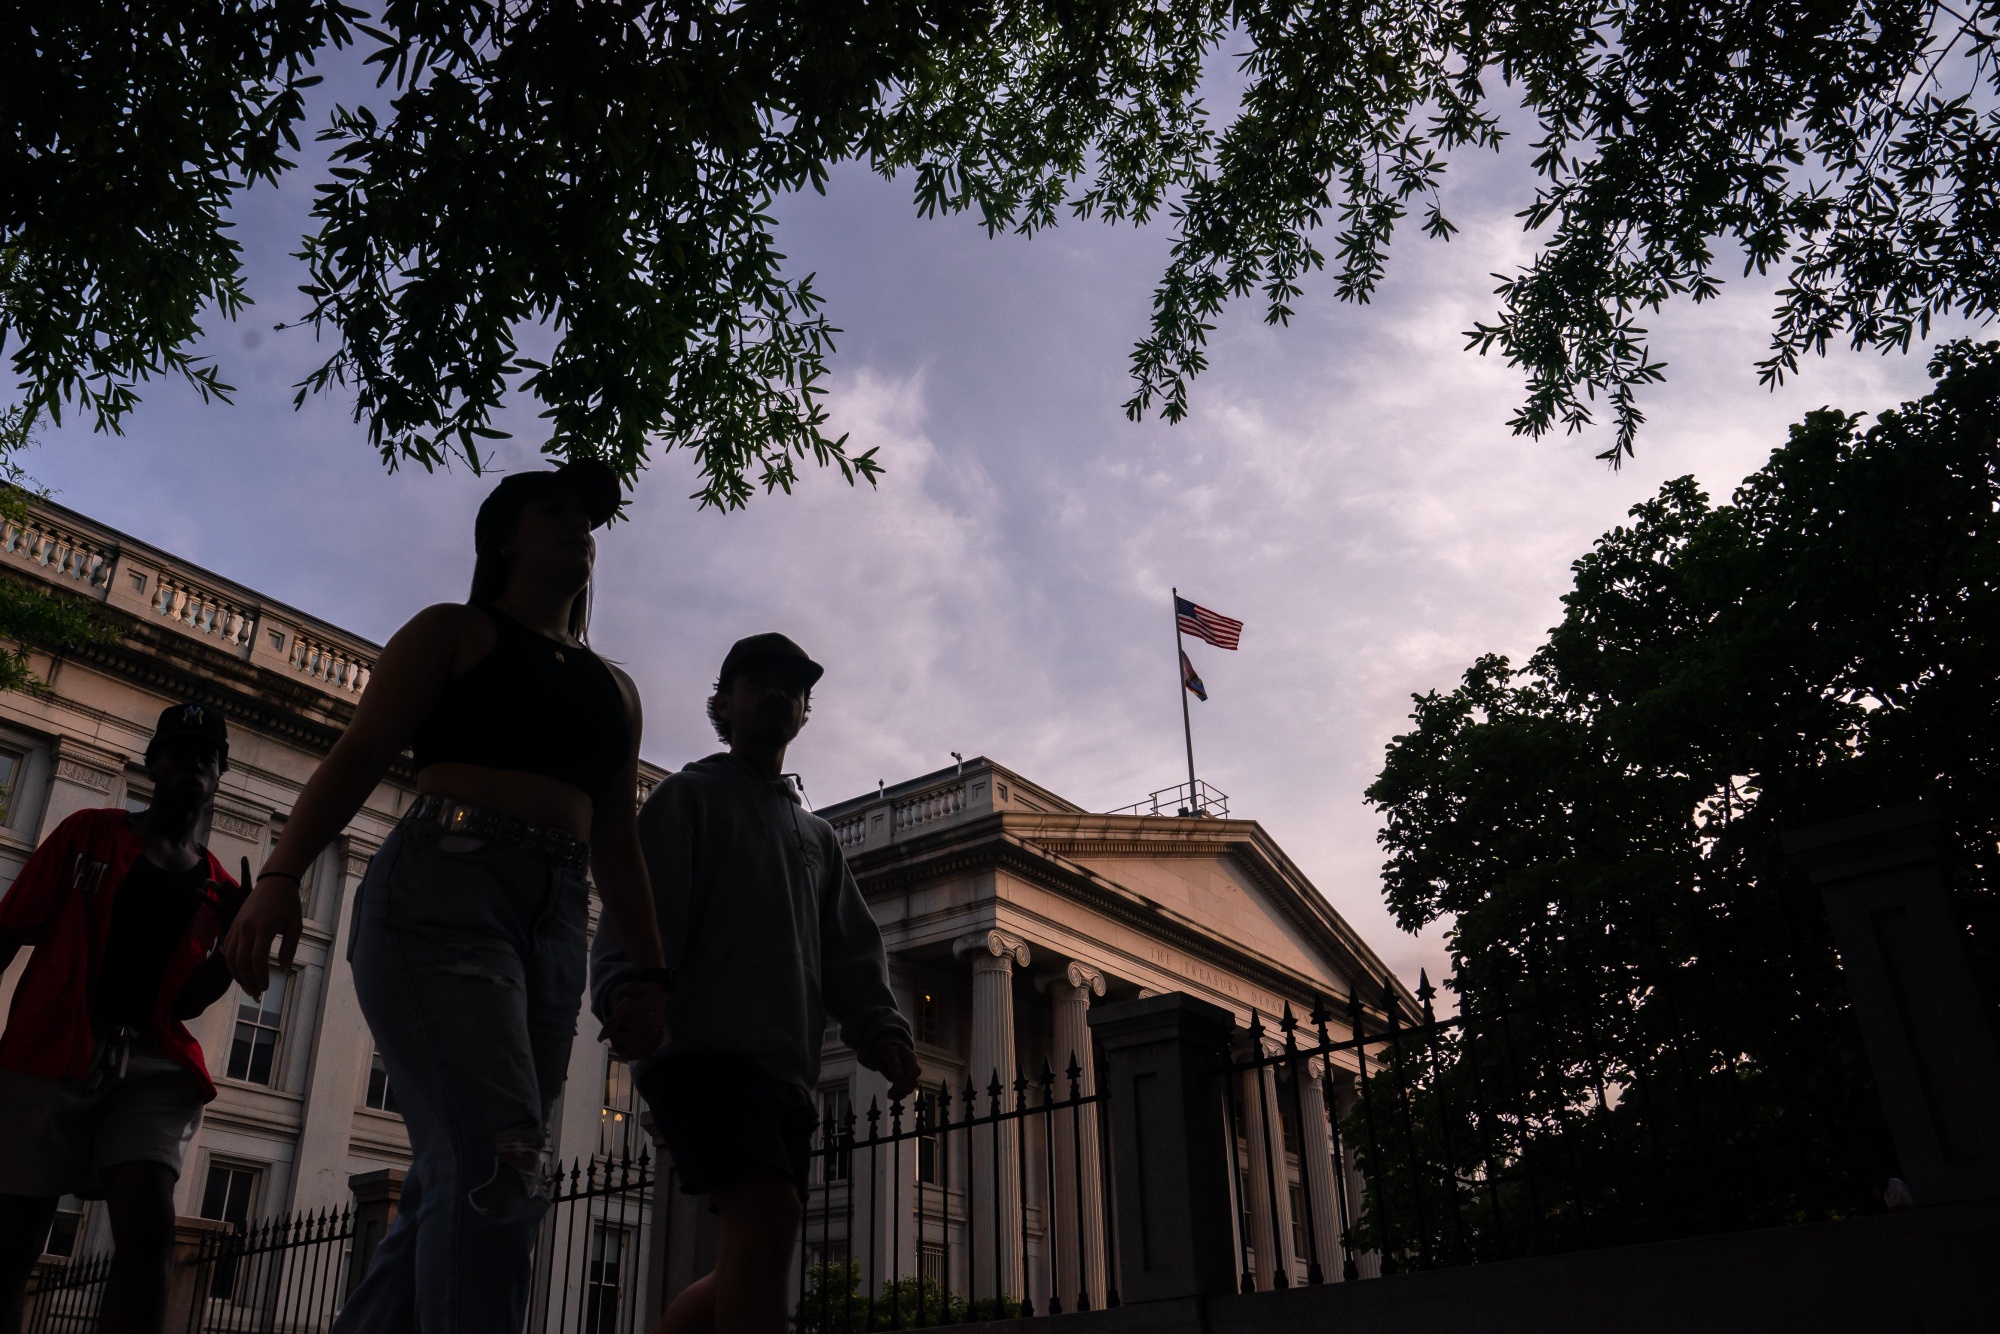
101 1085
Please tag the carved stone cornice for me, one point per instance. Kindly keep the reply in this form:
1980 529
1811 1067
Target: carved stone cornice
71 769
985 845
355 854
994 944
241 822
292 709
1016 844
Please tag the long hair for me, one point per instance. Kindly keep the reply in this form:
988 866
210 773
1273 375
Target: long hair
493 567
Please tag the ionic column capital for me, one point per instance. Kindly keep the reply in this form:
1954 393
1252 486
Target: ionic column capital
994 944
1085 978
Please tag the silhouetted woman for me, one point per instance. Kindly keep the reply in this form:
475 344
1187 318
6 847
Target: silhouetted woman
468 936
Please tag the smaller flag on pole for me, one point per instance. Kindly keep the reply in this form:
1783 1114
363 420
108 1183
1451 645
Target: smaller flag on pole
1212 626
1192 681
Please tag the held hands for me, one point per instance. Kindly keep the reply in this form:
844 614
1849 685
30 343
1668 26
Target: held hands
270 913
637 1025
898 1065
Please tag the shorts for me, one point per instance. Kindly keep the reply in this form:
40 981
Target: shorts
58 1135
723 1119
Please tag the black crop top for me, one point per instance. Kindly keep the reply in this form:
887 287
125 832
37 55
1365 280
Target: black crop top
534 705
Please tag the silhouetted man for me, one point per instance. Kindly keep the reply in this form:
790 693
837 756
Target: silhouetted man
101 1085
769 933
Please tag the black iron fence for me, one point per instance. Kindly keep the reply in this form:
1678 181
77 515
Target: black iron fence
282 1274
1562 1121
590 1259
65 1296
960 1206
290 1275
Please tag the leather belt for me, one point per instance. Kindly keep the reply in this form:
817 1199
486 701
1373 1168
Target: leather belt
470 821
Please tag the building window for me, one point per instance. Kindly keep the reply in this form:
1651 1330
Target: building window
928 1028
930 1264
253 1054
226 1198
65 1227
927 1140
1288 1124
836 1116
137 799
1298 1198
380 1096
601 1285
12 762
618 1117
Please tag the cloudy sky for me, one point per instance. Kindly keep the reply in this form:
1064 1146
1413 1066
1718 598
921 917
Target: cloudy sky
1347 487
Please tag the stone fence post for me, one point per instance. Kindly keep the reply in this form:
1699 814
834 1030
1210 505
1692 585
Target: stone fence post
1165 1060
1923 1021
193 1237
376 1196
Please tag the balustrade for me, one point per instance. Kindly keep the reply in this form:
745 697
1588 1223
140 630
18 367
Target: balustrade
61 553
852 832
925 807
202 611
337 668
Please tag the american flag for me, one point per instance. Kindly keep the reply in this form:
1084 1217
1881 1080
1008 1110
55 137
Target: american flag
1204 624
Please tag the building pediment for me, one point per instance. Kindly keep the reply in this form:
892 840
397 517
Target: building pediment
1216 898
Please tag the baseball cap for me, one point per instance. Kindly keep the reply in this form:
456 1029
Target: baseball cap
770 650
197 722
590 481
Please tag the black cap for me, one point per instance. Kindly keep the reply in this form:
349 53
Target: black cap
770 650
192 721
591 482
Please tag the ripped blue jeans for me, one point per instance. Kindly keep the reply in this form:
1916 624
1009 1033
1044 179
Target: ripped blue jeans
469 962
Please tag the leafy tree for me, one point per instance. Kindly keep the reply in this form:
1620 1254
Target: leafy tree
1645 981
606 170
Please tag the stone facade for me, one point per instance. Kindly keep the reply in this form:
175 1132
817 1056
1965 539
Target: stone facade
1008 913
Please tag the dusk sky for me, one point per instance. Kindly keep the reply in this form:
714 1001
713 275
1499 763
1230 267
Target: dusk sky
1347 487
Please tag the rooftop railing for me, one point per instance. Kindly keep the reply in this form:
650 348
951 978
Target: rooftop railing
1199 799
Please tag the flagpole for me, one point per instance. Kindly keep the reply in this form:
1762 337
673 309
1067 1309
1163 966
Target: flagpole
1187 727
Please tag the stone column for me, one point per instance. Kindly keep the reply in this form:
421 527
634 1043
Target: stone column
1316 1162
341 1047
1078 1167
1367 1264
1273 1253
995 1201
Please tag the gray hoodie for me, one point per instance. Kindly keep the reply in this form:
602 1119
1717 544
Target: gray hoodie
763 920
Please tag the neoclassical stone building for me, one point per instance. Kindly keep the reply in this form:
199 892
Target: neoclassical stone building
1008 910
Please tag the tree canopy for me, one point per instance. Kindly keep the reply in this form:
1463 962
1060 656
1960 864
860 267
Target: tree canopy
606 170
1600 827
